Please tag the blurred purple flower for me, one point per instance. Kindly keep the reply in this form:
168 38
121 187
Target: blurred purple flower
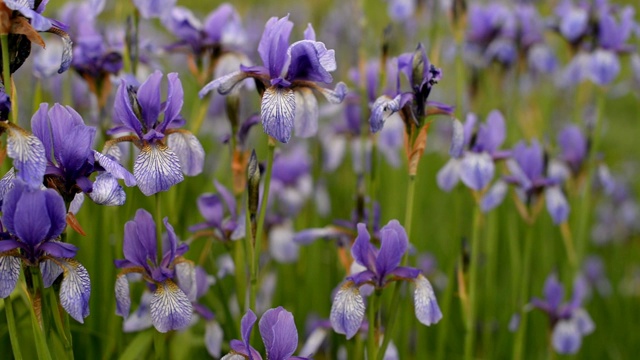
212 208
474 152
278 332
570 322
166 151
381 267
153 8
33 220
171 280
287 79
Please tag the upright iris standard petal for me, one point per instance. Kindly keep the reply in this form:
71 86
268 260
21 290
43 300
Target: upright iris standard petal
347 310
189 150
362 251
476 170
274 44
75 289
148 96
123 111
394 245
31 219
156 169
170 307
279 333
28 155
278 112
10 267
311 61
175 100
426 306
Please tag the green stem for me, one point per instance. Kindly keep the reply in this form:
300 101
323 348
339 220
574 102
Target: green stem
6 76
470 335
460 81
395 297
524 290
159 345
239 258
257 243
585 205
37 325
13 330
158 227
58 316
372 344
201 114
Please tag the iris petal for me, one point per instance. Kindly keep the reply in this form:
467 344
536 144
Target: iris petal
213 337
123 298
9 274
170 308
306 120
75 289
347 310
427 309
107 191
189 150
114 168
476 170
156 169
28 156
224 84
277 112
279 333
449 175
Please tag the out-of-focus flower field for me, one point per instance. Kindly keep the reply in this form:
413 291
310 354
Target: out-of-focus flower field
380 179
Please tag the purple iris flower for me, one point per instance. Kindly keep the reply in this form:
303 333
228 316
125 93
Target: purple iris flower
222 28
71 160
279 335
25 21
166 151
573 148
95 56
599 32
287 79
381 267
401 10
33 220
570 322
618 217
412 105
171 280
474 152
528 169
291 184
594 274
212 208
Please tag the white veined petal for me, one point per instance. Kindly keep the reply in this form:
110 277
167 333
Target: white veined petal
9 274
170 307
50 272
306 120
189 150
224 84
347 310
427 309
6 183
75 289
28 156
277 112
156 169
107 191
123 297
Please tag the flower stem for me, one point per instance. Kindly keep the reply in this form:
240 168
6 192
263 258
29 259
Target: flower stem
201 114
568 244
395 297
524 289
257 243
470 335
36 312
585 204
63 330
372 343
6 76
13 330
